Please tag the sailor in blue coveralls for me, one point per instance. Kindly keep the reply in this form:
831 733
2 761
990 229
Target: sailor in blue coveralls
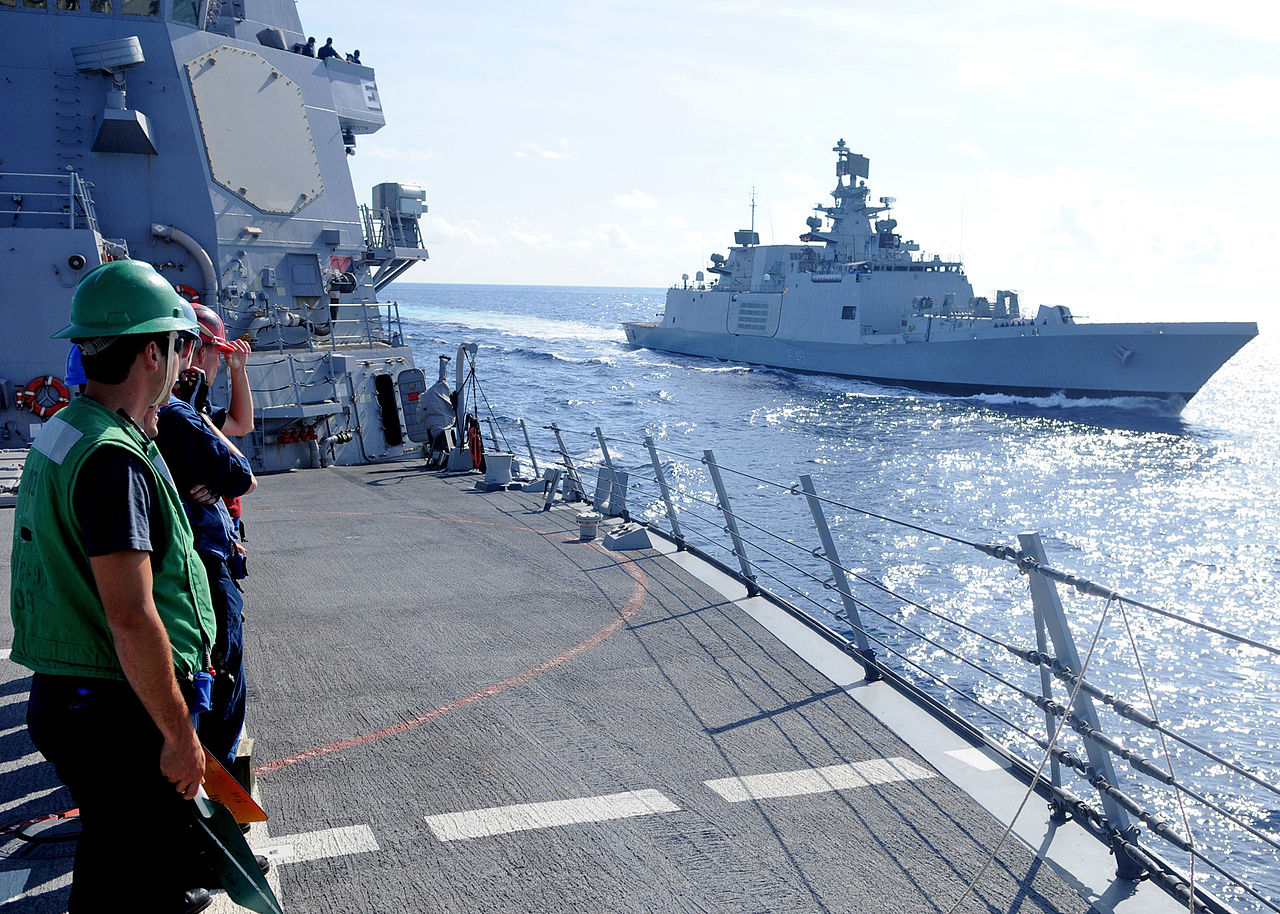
206 466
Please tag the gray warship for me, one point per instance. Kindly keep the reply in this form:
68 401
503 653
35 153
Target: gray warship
457 703
184 133
857 300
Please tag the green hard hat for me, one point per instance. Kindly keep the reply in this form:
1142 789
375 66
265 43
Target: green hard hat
124 297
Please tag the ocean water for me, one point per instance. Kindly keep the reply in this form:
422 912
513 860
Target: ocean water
1181 512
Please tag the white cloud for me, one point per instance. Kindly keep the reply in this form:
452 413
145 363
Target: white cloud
1251 18
536 241
526 150
969 149
374 150
1250 99
615 236
808 182
441 231
978 72
637 198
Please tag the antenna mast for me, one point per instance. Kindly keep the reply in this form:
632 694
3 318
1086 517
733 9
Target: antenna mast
753 207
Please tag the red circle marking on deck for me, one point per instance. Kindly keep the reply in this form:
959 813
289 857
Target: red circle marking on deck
625 615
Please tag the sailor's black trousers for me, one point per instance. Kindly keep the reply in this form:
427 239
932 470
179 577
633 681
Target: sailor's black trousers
136 850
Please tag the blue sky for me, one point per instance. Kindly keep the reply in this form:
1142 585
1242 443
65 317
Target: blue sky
1118 157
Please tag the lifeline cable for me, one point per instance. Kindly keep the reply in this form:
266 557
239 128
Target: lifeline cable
1168 757
1040 770
1026 563
475 386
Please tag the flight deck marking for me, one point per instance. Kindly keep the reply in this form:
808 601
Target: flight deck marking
53 885
319 845
15 698
29 798
503 820
11 765
818 780
625 615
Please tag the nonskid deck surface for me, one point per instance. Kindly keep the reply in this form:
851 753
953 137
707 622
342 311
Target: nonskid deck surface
459 707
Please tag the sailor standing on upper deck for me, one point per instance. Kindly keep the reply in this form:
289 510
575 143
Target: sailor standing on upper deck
110 604
206 468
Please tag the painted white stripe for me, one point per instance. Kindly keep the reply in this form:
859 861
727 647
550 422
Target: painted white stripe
11 884
12 765
818 780
12 730
502 820
52 885
319 845
14 804
14 699
976 758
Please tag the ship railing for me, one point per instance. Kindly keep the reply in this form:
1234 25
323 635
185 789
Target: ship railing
46 201
1030 694
366 219
385 230
369 323
302 375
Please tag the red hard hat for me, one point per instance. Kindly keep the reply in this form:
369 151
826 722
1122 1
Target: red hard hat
212 329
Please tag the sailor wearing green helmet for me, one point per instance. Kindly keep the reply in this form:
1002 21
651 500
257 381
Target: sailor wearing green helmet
110 602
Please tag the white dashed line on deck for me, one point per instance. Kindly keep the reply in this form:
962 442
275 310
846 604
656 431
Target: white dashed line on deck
53 885
502 820
12 765
818 780
319 845
29 798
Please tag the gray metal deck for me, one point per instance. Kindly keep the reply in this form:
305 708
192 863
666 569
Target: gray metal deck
419 649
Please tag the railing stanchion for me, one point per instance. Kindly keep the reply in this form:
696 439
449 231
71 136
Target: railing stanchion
666 492
493 434
730 525
1045 602
574 483
872 672
1046 691
533 459
604 449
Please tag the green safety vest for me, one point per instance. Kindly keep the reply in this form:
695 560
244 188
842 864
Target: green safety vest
60 626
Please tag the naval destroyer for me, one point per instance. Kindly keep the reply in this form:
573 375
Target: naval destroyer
184 133
857 300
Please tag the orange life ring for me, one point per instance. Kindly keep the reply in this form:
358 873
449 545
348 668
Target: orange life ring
45 395
475 442
188 293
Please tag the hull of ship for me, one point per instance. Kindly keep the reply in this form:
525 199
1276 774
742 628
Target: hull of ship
1165 361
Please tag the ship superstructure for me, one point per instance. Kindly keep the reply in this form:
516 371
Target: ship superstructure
856 299
186 134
